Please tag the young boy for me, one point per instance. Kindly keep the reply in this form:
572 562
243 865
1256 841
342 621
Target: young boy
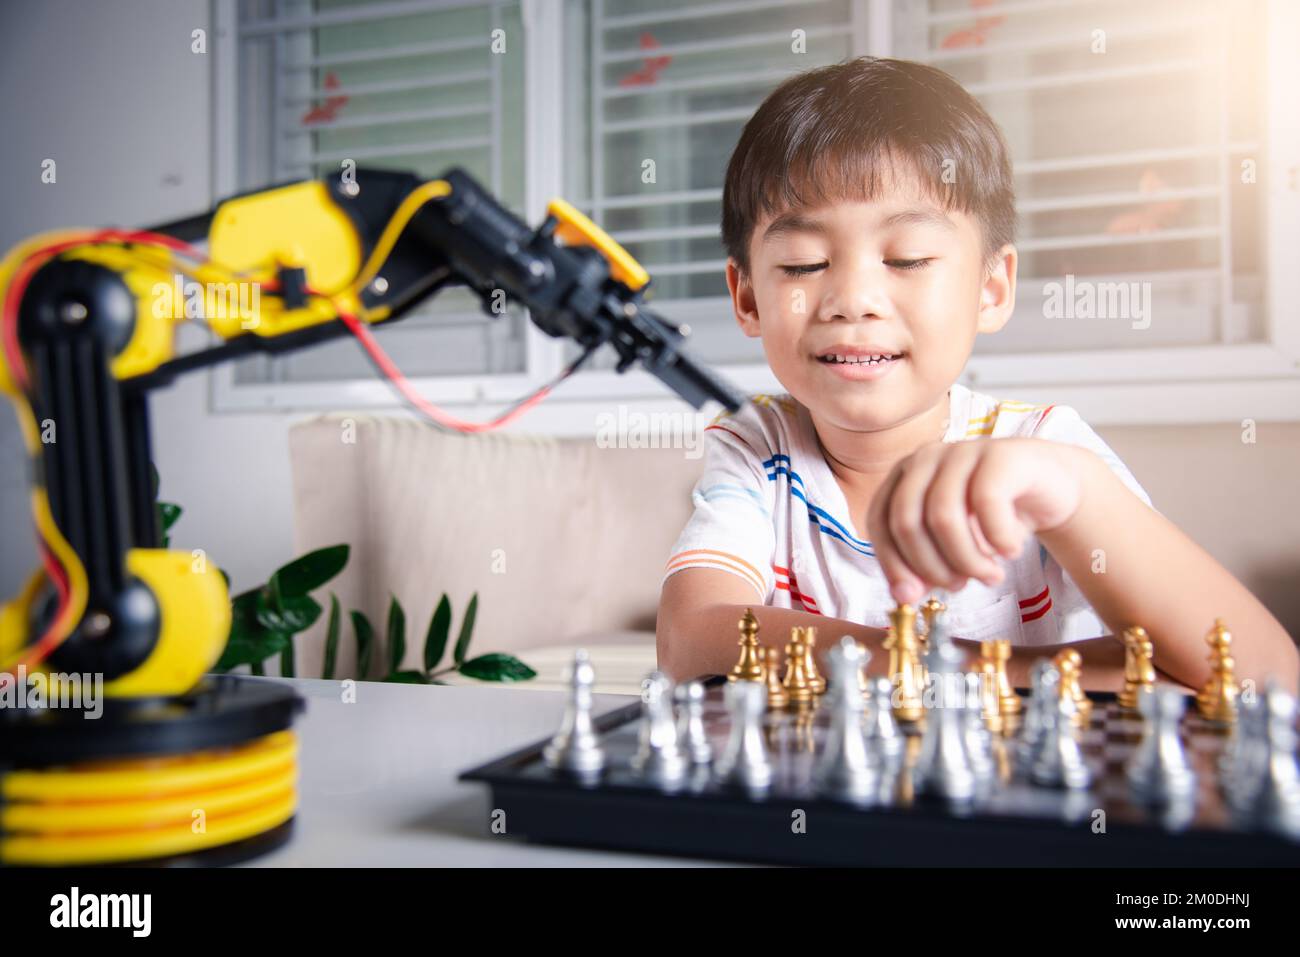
868 215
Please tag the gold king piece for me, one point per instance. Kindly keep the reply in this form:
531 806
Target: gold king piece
904 664
1217 701
750 666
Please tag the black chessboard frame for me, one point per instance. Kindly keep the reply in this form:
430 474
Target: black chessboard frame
620 813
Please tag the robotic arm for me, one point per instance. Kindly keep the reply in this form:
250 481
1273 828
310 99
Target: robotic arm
88 329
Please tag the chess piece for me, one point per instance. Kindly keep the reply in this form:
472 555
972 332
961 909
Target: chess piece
904 665
690 722
998 652
797 686
776 694
883 735
845 770
1044 682
943 768
1262 779
659 757
1058 761
809 642
979 741
930 609
575 748
990 702
1070 664
750 665
1217 701
1139 672
745 762
1158 771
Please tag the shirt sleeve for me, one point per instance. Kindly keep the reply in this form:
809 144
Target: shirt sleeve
1076 620
732 526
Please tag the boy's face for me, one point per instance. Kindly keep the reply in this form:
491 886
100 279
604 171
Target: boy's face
898 275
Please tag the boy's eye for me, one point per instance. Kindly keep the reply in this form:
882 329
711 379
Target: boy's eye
803 269
907 263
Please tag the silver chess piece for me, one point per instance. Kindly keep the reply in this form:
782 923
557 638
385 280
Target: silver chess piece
745 761
846 768
943 768
575 748
1057 759
690 722
979 740
1267 795
659 757
1159 772
883 735
1044 685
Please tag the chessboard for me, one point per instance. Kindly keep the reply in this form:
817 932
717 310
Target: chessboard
1011 822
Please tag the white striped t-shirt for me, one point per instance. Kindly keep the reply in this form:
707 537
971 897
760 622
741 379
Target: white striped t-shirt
769 510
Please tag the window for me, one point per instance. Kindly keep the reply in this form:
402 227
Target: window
1151 169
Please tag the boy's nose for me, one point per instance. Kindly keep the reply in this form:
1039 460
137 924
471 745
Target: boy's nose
858 295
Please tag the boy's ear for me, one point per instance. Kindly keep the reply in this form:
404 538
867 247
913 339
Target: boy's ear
998 294
742 299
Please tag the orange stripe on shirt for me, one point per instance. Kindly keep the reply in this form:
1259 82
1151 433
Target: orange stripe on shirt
725 560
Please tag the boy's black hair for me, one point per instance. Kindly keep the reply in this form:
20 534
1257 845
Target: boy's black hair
837 132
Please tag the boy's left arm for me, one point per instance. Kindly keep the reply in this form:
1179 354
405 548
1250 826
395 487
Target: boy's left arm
945 514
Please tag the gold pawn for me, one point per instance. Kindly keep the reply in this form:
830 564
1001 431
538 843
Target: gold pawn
797 688
776 695
998 653
1070 663
815 679
904 669
750 665
1217 701
1139 672
990 704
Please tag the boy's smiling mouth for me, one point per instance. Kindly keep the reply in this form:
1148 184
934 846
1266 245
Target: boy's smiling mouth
859 362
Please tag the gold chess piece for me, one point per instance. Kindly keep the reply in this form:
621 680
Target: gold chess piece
1217 701
776 694
815 679
904 667
1070 663
750 665
1139 672
998 652
797 687
990 702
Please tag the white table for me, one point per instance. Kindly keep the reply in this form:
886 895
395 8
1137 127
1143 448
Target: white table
378 781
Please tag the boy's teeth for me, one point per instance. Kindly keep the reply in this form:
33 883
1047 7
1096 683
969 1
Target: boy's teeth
870 360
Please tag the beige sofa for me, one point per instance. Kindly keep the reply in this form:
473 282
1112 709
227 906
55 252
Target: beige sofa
563 541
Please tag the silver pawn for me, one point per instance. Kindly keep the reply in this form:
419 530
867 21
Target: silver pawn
1058 761
943 768
690 722
1271 797
575 748
1158 771
659 757
1044 682
846 768
745 761
979 740
883 736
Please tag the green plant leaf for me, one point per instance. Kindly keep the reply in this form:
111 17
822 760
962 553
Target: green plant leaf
287 666
168 513
497 667
467 629
295 613
435 642
396 634
365 641
250 647
408 677
331 639
310 571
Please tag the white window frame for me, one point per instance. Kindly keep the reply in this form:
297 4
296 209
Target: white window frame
1183 385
